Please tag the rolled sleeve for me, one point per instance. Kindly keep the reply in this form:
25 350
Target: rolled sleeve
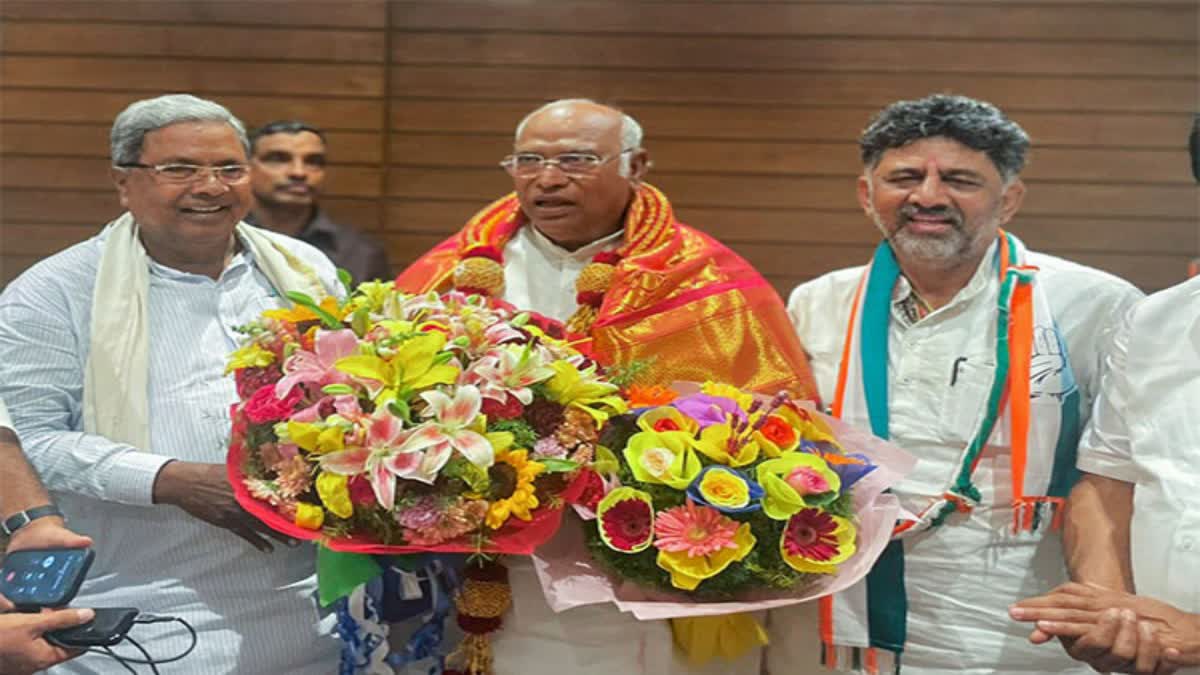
1105 448
43 349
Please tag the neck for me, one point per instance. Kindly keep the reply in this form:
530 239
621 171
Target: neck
938 283
284 218
210 266
574 243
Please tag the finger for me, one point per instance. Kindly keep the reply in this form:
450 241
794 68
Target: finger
1040 637
1065 629
1148 649
1095 644
5 605
1122 650
262 528
245 532
1030 614
60 618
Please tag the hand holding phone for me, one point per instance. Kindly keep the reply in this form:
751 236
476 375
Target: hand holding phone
22 649
105 630
37 578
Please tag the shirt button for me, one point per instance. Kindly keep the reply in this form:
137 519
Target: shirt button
1186 544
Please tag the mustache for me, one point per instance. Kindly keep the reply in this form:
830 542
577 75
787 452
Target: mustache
910 211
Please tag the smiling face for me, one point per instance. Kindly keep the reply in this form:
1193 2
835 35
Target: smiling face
576 210
188 226
938 201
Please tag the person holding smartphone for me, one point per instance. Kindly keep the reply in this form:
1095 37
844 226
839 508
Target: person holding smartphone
31 522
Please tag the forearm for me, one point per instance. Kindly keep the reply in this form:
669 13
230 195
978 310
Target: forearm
94 466
1096 537
22 489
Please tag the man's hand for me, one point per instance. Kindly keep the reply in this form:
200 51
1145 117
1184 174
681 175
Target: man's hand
204 492
1113 630
47 532
22 648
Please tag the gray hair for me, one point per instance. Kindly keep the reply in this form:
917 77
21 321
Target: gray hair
631 131
141 117
979 125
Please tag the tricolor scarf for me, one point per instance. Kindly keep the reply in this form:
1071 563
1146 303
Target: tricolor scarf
117 376
864 627
649 225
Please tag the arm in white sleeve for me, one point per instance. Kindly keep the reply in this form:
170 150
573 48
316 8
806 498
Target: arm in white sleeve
43 348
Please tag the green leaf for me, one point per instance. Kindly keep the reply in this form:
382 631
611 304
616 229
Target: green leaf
557 465
338 574
304 300
337 389
400 409
347 281
361 321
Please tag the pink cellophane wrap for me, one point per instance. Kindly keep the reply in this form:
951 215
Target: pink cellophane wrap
570 578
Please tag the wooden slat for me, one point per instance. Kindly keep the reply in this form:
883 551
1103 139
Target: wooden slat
629 87
41 239
92 174
1044 199
716 121
827 158
318 13
724 53
158 75
192 41
846 226
942 22
91 140
100 107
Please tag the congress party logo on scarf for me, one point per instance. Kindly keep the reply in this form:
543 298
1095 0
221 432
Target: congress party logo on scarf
1031 364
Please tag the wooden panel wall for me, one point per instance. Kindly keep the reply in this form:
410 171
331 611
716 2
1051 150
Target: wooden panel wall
751 108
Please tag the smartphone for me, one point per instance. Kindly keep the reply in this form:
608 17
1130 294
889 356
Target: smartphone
105 630
44 577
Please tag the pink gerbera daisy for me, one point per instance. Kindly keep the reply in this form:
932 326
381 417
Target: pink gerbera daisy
694 530
811 534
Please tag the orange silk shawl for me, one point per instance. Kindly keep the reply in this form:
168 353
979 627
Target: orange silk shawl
690 306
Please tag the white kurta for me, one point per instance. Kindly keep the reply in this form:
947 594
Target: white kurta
1146 431
962 576
595 639
256 613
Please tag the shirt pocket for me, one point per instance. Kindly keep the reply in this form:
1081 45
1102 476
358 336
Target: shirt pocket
966 397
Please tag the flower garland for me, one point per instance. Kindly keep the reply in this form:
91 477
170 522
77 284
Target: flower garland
649 223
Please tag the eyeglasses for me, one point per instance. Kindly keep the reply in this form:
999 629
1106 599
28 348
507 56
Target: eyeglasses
529 164
229 174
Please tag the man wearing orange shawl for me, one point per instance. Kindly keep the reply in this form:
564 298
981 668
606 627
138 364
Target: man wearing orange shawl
583 240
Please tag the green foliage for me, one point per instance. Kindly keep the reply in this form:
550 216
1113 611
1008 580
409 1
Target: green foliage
523 435
627 374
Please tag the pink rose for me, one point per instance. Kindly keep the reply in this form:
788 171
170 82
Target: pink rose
264 408
807 481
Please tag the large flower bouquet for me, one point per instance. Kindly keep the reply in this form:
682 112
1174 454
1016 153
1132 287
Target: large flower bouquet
393 423
722 494
708 503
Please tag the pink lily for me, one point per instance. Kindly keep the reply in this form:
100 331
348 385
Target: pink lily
448 431
509 371
383 458
309 367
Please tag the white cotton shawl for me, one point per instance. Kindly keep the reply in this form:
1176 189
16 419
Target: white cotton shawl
115 402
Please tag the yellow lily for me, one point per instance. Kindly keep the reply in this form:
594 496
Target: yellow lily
580 388
414 366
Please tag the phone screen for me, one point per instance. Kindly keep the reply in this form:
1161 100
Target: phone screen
45 577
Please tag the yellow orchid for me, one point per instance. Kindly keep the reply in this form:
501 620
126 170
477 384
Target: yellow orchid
719 443
319 438
250 355
417 364
371 295
583 390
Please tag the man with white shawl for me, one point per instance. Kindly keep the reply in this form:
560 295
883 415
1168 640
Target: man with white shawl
981 358
112 355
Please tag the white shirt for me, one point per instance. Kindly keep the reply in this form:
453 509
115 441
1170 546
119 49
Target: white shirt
540 275
962 576
5 420
594 639
1146 430
255 613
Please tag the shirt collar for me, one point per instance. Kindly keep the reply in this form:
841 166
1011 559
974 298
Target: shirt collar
553 251
902 294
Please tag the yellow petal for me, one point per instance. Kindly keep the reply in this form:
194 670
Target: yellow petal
334 494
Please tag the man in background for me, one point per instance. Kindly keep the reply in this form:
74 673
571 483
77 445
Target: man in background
287 171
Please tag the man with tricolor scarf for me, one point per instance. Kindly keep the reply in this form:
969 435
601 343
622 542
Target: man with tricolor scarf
981 358
584 241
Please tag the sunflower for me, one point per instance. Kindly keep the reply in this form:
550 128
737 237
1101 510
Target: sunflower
514 493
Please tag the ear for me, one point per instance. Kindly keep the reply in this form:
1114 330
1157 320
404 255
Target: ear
120 179
639 165
1011 200
864 195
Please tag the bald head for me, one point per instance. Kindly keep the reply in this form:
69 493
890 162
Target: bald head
574 206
